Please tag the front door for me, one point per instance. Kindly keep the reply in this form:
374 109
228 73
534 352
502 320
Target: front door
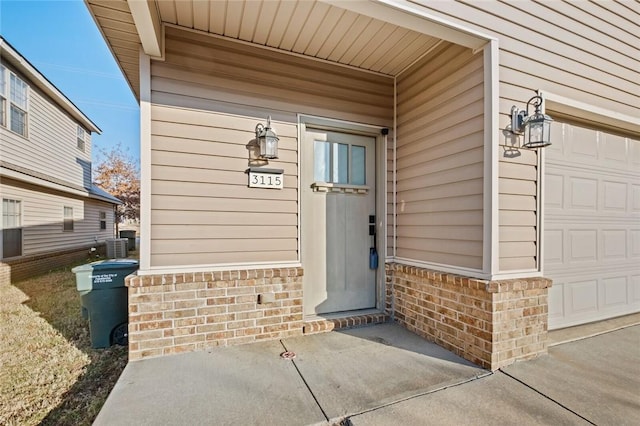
338 204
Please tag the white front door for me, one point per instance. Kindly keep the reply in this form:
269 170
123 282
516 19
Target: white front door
338 204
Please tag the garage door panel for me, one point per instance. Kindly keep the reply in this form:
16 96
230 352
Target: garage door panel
582 144
579 298
554 195
591 237
635 243
614 150
571 245
614 244
614 292
554 247
635 195
634 288
615 196
583 245
569 190
556 301
635 155
582 296
583 193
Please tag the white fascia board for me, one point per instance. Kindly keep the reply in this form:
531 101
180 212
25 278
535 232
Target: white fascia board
147 22
410 16
11 56
592 113
8 173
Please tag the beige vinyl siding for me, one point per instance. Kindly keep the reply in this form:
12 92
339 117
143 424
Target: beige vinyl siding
202 210
208 95
42 218
440 159
517 216
593 57
208 68
50 147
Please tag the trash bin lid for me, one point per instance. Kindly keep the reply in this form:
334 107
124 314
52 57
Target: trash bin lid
113 264
82 268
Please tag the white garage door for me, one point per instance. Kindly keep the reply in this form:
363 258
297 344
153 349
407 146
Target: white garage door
591 225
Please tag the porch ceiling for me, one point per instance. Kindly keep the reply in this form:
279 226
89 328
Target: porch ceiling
343 32
311 28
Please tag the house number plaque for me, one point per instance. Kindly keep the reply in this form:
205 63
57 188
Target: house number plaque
266 178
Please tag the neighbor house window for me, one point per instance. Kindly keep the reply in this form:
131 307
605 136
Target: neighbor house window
3 95
68 219
11 228
103 221
81 136
18 107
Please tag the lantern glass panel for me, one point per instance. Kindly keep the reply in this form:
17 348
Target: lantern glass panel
270 147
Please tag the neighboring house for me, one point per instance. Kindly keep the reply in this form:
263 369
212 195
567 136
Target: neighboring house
51 213
390 112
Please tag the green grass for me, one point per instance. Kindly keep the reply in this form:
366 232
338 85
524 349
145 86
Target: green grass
49 374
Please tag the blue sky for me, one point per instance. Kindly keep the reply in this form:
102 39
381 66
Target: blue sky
61 40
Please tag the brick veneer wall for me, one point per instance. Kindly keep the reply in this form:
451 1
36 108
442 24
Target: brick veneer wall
490 323
30 266
175 313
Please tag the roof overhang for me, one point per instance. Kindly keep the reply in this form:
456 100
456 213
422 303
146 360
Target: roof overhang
32 177
408 15
147 21
128 25
20 63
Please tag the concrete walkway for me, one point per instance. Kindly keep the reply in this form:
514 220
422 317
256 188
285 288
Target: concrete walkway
380 375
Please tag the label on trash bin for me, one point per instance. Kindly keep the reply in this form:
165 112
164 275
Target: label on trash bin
103 278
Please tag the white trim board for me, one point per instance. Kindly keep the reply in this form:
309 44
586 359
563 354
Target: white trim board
588 112
145 161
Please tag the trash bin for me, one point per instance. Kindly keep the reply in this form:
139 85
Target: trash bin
104 300
131 238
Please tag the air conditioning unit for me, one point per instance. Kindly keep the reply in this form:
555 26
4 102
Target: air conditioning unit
116 248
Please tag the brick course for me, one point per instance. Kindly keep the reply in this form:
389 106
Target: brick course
30 266
321 325
175 313
490 323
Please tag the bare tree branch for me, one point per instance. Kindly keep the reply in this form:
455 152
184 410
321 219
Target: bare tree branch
118 174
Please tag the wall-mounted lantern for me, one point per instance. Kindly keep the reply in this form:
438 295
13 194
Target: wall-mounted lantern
267 140
536 128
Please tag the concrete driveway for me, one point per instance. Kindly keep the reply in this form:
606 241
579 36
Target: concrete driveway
380 375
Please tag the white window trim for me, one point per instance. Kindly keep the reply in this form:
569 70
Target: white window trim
65 218
102 217
3 96
19 200
5 120
81 138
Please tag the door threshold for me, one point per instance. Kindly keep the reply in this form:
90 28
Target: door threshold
341 320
